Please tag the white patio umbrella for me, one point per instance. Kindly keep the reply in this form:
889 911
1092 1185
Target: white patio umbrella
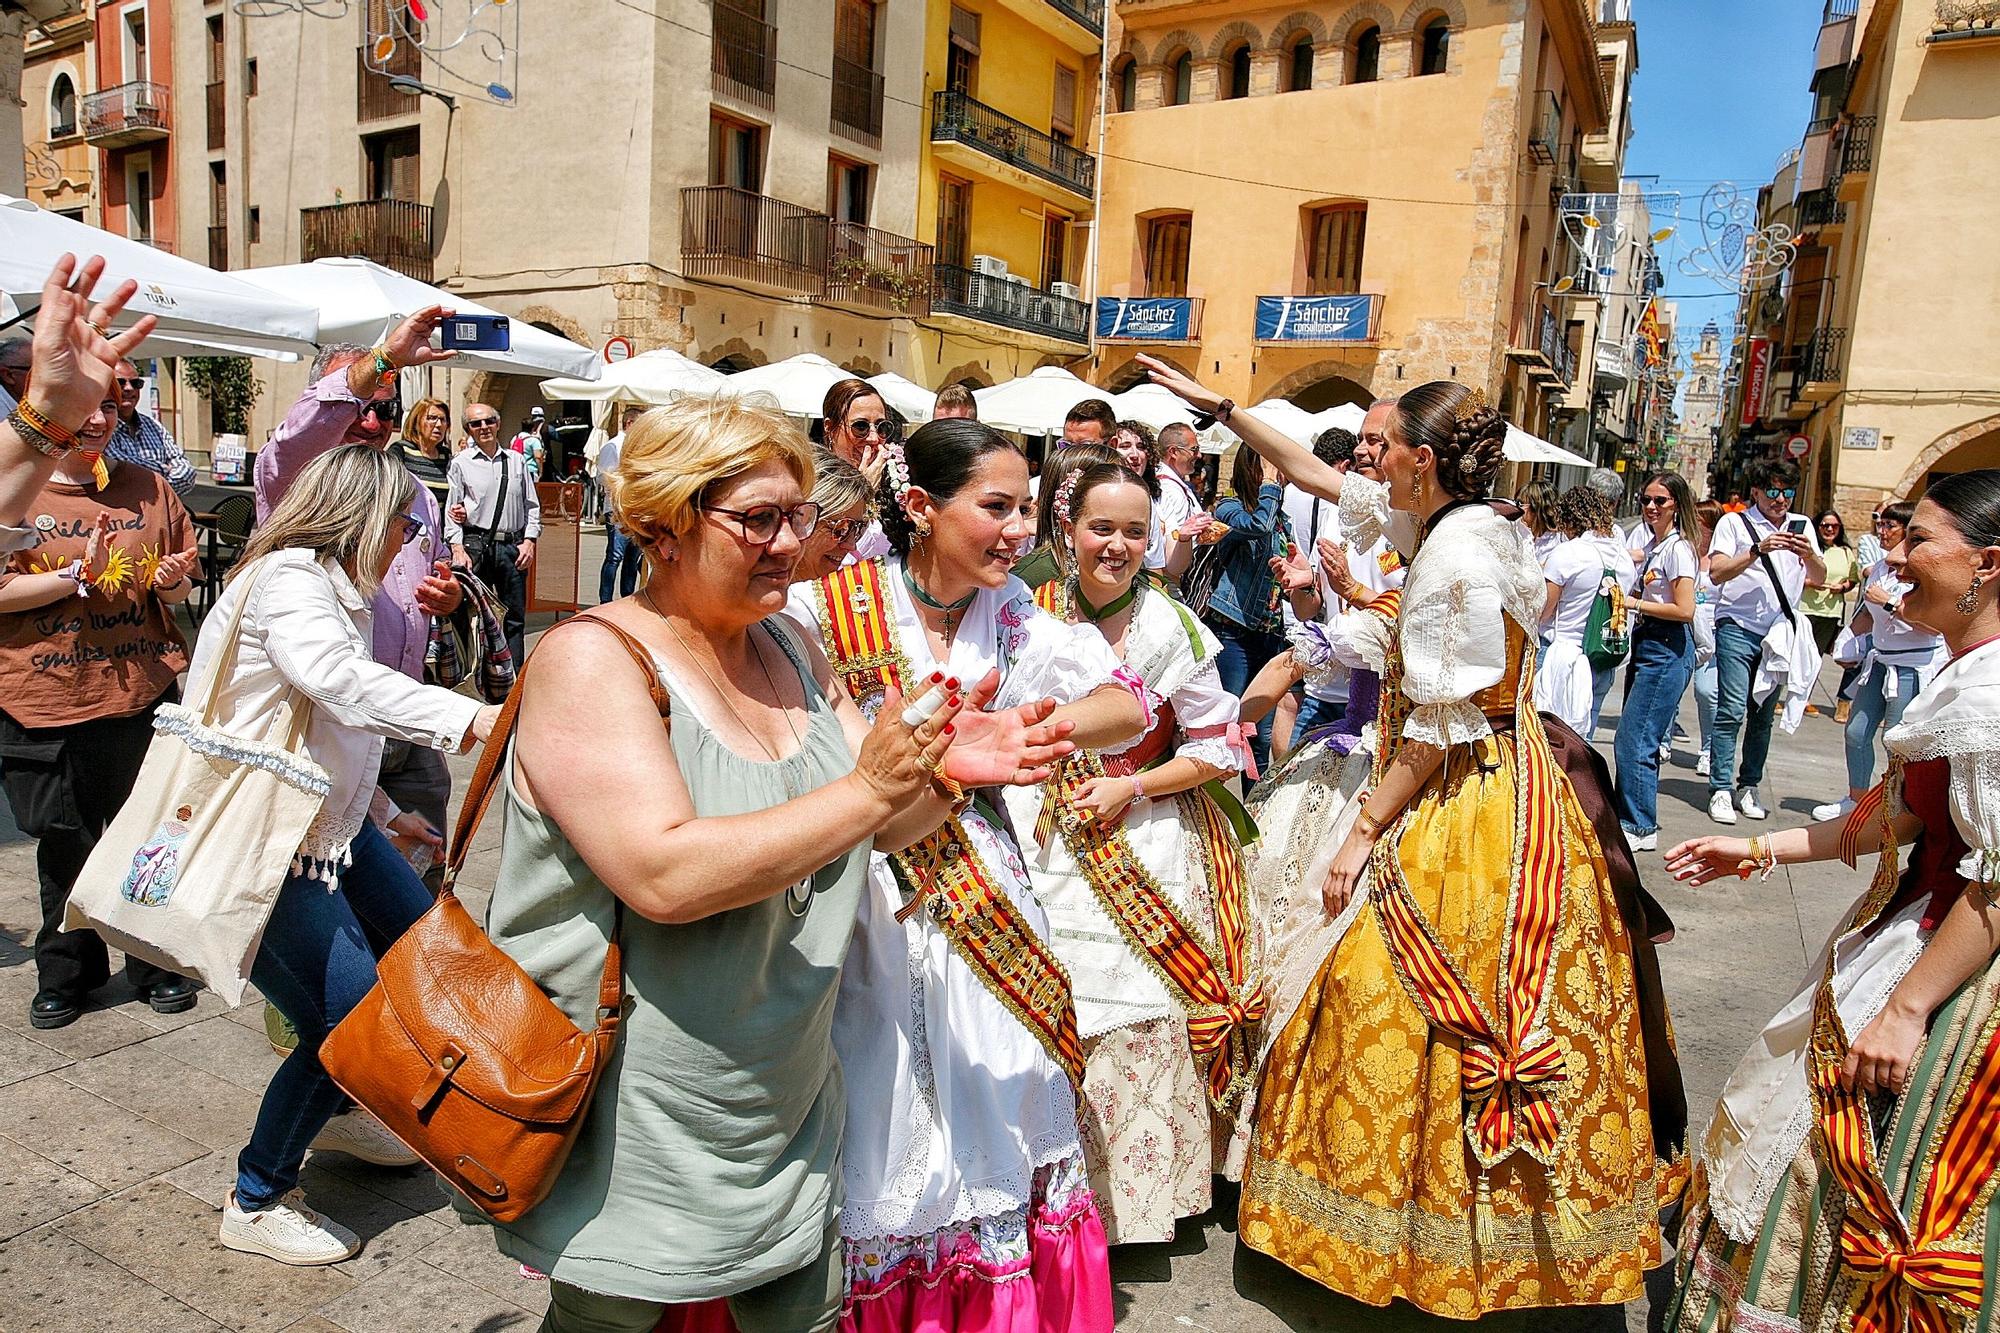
1155 406
908 397
799 383
359 301
200 310
1036 403
1284 415
653 378
1521 447
1348 416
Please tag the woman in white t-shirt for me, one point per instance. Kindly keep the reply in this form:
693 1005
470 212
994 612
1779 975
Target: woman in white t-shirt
1591 559
1662 661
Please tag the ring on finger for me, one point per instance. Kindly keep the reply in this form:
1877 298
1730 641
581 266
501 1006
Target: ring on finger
99 330
930 765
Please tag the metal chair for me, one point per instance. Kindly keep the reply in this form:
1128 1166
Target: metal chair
234 517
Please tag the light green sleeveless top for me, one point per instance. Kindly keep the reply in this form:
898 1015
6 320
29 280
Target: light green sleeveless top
709 1161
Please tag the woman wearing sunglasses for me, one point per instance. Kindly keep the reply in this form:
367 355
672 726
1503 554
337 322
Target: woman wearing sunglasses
1662 659
856 426
846 511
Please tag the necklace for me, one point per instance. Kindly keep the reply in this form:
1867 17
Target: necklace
952 610
1095 614
799 896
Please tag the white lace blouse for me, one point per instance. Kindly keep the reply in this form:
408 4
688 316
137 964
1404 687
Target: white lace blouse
1957 718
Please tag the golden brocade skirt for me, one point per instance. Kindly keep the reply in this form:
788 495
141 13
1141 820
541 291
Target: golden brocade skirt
1361 1177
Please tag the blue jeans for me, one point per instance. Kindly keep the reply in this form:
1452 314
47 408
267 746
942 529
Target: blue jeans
622 557
1736 653
1244 653
316 963
1662 661
1601 681
1315 713
1874 711
1704 701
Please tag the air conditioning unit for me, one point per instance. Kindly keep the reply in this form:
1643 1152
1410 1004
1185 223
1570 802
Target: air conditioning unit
1067 290
991 265
1017 279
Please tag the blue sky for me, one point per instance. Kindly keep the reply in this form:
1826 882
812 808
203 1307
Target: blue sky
1720 95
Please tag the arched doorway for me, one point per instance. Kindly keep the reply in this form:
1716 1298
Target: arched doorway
732 364
1973 445
1331 392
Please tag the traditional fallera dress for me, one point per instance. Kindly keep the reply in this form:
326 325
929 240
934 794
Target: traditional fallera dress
1150 919
1819 1210
1457 1113
967 1204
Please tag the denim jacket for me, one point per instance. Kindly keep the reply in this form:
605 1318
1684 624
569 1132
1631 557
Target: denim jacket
1243 590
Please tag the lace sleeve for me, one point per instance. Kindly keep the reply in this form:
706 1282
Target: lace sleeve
1205 711
1975 808
1048 659
1364 510
1454 644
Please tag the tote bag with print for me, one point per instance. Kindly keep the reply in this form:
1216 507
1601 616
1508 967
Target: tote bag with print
187 873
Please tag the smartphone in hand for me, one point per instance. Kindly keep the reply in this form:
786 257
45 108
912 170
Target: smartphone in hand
476 333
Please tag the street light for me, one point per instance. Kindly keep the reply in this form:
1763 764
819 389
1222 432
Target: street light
404 83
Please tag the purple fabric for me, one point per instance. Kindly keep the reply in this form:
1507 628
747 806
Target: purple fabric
1364 701
318 423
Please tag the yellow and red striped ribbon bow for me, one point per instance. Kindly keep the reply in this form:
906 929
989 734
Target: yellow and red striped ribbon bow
1513 1089
1896 1276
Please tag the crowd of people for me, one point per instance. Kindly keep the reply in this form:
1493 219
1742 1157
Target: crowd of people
993 858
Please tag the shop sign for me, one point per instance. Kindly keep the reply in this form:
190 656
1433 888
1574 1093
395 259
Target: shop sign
1317 319
1861 437
1756 378
1153 319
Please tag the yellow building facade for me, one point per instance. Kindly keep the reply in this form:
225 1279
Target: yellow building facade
1006 185
1255 154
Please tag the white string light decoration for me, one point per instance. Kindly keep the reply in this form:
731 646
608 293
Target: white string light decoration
264 9
464 45
1734 248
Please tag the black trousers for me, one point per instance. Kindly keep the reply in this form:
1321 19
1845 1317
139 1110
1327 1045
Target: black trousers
64 785
495 567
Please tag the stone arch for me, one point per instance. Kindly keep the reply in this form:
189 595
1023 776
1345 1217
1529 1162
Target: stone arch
1291 25
972 374
1131 374
1060 360
1419 10
1359 17
1180 39
740 354
1336 379
1134 48
1230 35
863 366
482 389
1939 449
555 321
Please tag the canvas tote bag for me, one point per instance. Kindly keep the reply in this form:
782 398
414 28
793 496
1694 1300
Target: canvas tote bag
186 874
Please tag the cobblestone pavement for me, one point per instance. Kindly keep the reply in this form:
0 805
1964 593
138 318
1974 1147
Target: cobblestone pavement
118 1138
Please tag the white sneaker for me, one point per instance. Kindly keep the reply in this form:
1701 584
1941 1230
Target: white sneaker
289 1232
1643 842
1720 808
1666 750
1701 765
1747 802
1832 810
362 1136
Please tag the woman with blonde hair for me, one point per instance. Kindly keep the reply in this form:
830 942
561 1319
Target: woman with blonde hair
425 445
846 501
302 588
731 877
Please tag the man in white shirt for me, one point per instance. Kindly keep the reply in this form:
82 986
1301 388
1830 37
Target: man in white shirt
622 555
1746 550
1178 456
492 518
1312 518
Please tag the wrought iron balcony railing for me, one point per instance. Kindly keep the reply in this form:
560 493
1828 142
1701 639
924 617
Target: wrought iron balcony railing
1857 146
1823 356
743 58
395 233
1820 208
129 113
1013 305
732 233
1545 130
957 118
877 269
857 100
1090 13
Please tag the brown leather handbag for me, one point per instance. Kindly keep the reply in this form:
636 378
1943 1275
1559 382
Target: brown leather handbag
458 1051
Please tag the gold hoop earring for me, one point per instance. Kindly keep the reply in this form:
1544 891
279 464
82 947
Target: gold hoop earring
1969 603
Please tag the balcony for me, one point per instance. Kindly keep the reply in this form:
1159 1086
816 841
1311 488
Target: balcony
1088 13
1836 38
215 108
374 97
1821 367
1965 21
395 233
874 270
1319 320
218 248
1533 343
1545 130
1820 214
1077 24
1819 155
1008 304
1566 178
743 57
857 102
1553 359
753 241
131 113
1857 147
975 137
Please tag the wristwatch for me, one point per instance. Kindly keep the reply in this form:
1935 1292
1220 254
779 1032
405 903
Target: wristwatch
1203 420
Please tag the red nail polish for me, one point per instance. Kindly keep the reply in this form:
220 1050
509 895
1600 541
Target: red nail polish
952 702
936 676
948 731
951 683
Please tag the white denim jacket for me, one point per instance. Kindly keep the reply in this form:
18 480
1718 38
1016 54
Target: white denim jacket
307 627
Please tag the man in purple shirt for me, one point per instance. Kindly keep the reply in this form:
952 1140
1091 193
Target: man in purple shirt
351 400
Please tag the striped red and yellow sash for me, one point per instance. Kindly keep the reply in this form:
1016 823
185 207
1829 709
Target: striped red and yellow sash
1911 1276
944 873
1511 1064
1206 981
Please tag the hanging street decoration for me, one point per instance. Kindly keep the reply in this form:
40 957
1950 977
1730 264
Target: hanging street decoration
468 45
263 9
1735 251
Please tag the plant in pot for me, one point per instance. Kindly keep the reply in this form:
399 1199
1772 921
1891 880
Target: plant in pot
230 389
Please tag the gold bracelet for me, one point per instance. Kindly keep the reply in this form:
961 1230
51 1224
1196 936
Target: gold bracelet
1370 826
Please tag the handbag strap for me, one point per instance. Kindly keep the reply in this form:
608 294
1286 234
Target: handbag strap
1770 570
486 780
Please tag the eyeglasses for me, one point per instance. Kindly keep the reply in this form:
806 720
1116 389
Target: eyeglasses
1781 492
481 423
412 527
123 383
881 430
384 409
1830 523
1654 501
845 531
760 523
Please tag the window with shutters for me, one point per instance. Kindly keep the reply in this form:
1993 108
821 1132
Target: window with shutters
1055 249
1335 237
1168 238
954 227
847 190
1062 114
735 154
961 68
394 165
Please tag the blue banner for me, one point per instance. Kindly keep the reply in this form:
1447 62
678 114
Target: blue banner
1153 319
1317 319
